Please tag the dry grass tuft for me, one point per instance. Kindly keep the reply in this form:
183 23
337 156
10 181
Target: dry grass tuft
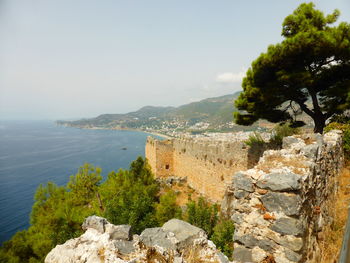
192 255
276 160
152 256
101 253
333 234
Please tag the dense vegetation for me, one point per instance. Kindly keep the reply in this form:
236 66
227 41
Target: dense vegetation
126 197
308 72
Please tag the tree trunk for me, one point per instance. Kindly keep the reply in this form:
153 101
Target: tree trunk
99 201
320 123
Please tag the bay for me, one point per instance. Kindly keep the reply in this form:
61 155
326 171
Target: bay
35 152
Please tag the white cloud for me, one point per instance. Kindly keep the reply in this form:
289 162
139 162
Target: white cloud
230 77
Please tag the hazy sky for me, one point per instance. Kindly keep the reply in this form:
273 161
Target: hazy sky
70 59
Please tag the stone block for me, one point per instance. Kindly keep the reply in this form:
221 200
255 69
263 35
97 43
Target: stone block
222 258
280 182
95 222
184 232
288 141
125 247
282 202
156 237
118 232
240 194
258 255
267 245
291 242
243 182
242 254
237 218
288 226
310 151
291 255
247 240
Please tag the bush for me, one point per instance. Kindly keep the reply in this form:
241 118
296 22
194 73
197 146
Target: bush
341 118
130 196
223 236
203 215
255 140
280 131
167 209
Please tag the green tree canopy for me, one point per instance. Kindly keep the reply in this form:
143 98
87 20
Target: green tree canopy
130 196
309 71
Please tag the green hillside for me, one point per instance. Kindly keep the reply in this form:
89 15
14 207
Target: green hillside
214 111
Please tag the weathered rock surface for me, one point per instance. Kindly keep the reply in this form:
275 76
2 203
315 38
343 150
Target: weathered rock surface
95 222
184 233
281 204
288 226
243 182
280 182
176 241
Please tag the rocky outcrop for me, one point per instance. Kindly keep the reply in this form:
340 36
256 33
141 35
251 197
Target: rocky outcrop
176 241
280 206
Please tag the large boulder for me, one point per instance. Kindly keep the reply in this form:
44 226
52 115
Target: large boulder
175 241
101 225
157 237
184 233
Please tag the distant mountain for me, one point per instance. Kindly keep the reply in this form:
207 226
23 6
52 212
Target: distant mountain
213 112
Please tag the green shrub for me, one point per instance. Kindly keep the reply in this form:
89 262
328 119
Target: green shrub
255 140
130 196
167 209
223 236
340 118
280 131
203 215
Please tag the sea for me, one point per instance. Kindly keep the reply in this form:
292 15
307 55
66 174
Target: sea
36 152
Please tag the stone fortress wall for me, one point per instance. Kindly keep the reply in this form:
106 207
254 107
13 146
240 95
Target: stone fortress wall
207 164
281 206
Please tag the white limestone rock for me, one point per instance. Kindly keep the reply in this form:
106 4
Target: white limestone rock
176 241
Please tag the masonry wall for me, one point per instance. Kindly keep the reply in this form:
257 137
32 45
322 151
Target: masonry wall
150 152
281 206
160 156
208 165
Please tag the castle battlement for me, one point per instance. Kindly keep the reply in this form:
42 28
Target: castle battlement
208 163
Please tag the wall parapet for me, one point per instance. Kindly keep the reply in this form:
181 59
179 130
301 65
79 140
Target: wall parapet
281 204
208 163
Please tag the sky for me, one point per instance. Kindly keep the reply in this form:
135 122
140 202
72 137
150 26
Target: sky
64 59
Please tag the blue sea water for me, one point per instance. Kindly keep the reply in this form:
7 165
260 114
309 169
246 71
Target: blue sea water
35 152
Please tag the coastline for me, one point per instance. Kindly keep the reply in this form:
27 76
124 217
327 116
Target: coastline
159 134
155 133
